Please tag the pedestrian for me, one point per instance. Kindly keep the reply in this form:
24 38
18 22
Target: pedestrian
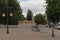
46 25
37 27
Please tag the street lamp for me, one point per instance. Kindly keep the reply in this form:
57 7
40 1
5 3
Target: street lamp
7 21
6 1
3 14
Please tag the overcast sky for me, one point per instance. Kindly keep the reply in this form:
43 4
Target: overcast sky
36 6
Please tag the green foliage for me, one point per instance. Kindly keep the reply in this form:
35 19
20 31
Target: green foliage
29 15
14 8
22 18
53 10
39 19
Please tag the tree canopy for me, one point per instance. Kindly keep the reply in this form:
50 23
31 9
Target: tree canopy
29 15
39 19
53 10
14 8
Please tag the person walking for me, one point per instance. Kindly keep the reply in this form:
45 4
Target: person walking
37 27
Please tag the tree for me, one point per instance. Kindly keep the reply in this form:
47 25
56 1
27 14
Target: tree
29 15
22 18
53 10
39 19
14 8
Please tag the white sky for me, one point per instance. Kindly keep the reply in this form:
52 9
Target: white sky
36 6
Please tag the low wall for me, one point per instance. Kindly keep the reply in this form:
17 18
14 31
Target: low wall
26 23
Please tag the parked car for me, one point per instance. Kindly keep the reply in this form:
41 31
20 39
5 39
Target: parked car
57 26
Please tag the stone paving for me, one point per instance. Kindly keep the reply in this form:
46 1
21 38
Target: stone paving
25 33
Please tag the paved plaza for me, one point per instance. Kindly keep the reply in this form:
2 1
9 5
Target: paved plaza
25 33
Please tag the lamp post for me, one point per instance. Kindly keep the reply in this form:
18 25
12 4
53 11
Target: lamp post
6 5
7 23
7 15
